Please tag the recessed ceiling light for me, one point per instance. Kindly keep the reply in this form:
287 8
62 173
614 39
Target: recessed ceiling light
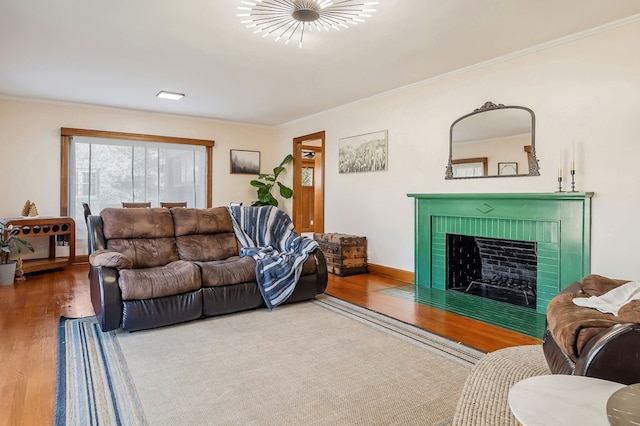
163 94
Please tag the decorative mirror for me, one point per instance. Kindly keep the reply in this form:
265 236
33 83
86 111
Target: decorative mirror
493 141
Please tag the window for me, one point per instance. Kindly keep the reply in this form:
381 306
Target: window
470 167
105 169
86 181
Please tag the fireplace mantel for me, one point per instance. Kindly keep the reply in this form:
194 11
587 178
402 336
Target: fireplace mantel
560 224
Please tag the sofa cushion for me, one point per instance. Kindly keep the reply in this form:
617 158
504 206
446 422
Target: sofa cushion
207 247
204 234
144 235
233 270
137 223
175 278
110 259
146 253
201 221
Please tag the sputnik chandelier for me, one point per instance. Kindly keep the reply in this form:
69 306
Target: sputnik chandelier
286 18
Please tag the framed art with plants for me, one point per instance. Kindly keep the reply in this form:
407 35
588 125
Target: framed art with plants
363 153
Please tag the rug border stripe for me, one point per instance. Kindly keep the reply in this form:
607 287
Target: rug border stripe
91 346
446 346
60 411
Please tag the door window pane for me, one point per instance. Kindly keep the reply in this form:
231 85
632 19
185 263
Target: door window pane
307 176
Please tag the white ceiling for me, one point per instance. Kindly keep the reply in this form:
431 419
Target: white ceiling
120 53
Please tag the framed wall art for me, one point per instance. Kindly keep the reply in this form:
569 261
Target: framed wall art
363 153
245 162
508 168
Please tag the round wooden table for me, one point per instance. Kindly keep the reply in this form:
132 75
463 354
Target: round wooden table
561 400
623 407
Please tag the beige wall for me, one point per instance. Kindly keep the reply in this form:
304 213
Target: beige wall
585 90
30 141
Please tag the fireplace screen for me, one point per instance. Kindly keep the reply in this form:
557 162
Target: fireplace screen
503 270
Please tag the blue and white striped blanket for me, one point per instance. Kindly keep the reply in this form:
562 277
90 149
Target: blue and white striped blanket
267 234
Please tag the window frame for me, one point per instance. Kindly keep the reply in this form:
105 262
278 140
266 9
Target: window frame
66 133
470 162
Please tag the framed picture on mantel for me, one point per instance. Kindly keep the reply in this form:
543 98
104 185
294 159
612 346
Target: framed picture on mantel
509 168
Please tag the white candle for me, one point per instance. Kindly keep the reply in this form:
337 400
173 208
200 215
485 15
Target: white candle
573 156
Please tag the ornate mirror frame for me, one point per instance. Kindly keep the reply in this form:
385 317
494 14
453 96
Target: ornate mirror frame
534 169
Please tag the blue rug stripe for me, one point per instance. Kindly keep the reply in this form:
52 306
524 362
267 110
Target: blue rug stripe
81 367
92 361
59 415
114 408
116 371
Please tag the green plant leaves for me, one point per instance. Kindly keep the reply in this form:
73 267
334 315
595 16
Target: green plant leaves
286 160
285 191
9 239
265 183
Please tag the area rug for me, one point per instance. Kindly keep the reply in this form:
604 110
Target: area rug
323 362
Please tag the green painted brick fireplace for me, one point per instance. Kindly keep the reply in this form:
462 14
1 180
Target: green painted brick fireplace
559 224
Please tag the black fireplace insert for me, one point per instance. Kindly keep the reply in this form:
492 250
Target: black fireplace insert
499 269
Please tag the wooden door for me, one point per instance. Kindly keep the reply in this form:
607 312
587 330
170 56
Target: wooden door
307 196
308 183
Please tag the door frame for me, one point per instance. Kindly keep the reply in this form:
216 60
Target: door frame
318 180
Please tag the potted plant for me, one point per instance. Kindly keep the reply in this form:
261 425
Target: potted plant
9 240
265 183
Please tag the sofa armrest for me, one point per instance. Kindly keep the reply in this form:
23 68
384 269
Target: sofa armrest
322 273
311 284
96 235
110 259
105 297
613 354
558 361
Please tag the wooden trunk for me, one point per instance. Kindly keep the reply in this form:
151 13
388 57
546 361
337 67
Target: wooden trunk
345 254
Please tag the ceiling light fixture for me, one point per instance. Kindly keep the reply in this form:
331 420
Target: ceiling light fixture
285 18
163 94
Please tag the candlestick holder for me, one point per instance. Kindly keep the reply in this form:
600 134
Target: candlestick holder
573 181
559 184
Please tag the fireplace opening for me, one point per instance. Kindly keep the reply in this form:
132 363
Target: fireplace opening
504 270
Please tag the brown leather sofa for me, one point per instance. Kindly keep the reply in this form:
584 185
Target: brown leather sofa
152 267
586 342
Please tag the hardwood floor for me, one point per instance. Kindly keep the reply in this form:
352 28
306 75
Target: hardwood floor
363 290
30 310
29 314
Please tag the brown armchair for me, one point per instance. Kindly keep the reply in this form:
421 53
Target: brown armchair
583 341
